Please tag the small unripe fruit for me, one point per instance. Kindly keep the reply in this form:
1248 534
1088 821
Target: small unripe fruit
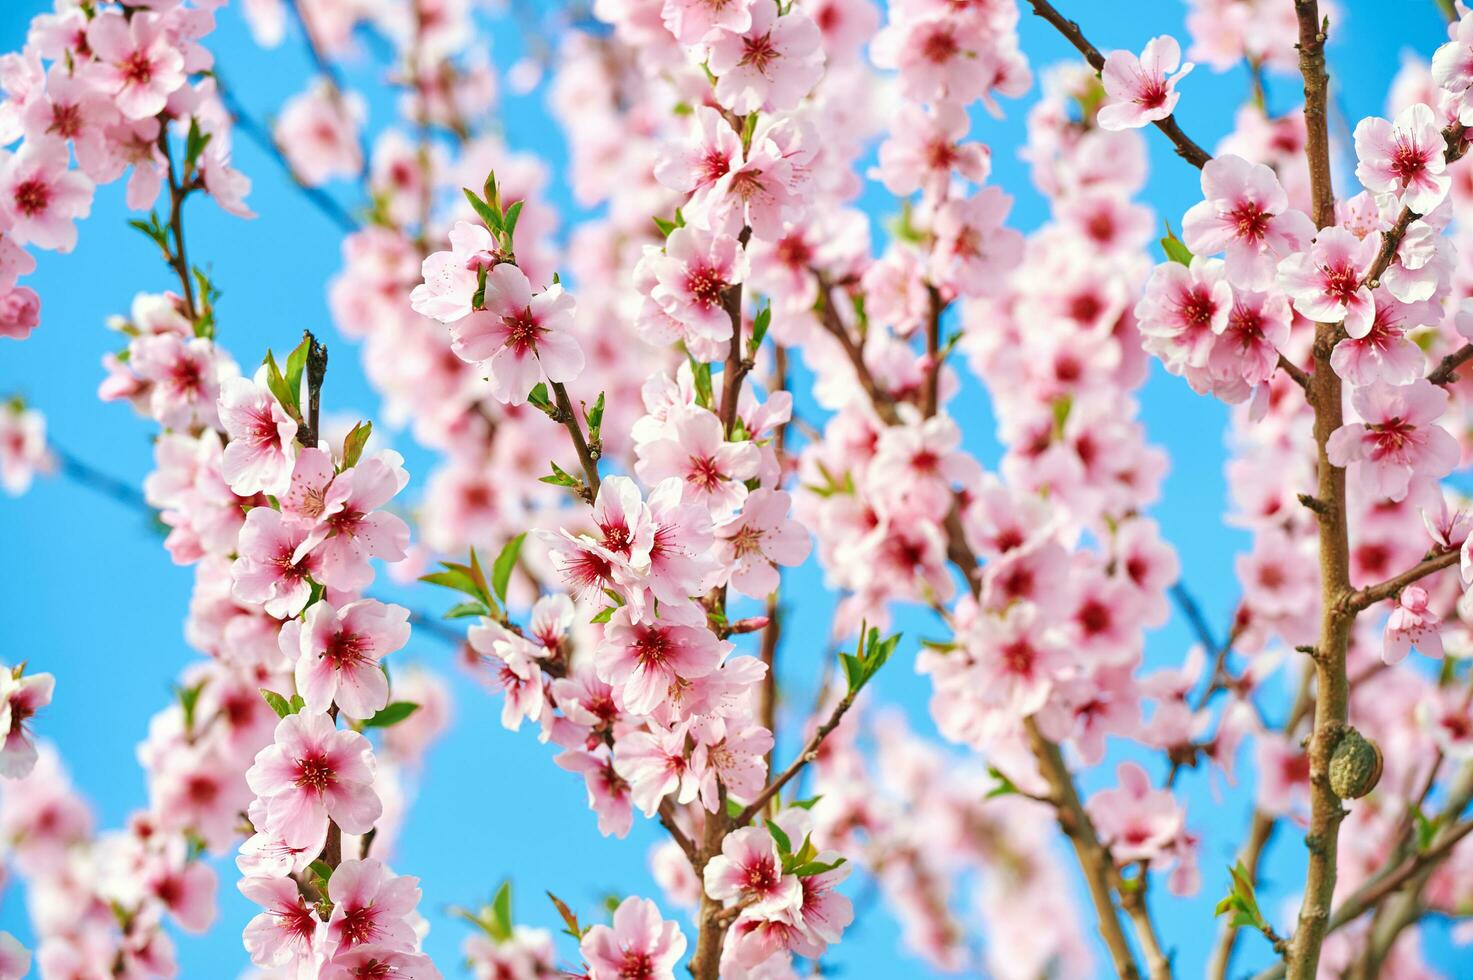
1355 766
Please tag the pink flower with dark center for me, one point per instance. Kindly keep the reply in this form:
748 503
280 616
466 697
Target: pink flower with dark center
754 543
771 65
1183 310
379 963
608 793
926 148
692 21
692 276
1385 353
695 449
638 946
20 310
136 63
272 568
337 654
186 889
1405 158
371 907
21 696
523 337
1248 349
1247 215
1138 823
749 870
1398 438
643 659
451 278
681 563
1324 283
657 763
350 528
712 150
1138 91
313 772
184 376
972 250
1411 624
285 934
262 448
41 197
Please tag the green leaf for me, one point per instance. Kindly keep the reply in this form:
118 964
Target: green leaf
807 804
195 144
505 562
188 701
853 671
666 227
701 374
322 870
280 389
569 918
391 714
560 478
810 868
1241 901
784 842
509 223
279 704
538 398
453 578
1175 249
1426 828
467 610
595 419
759 327
733 808
296 363
489 215
603 615
501 911
353 444
1004 787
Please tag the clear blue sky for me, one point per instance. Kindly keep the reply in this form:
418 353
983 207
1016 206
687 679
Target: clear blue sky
88 593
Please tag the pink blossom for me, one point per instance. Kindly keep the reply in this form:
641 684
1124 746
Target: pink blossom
23 451
1246 214
1137 90
184 376
692 276
137 62
749 870
973 251
272 568
185 888
694 449
1385 353
379 963
15 959
511 660
771 65
451 278
1183 310
711 151
287 933
1452 63
1398 438
738 758
1411 624
313 772
318 131
608 793
656 764
1324 283
41 197
1137 822
21 696
638 946
262 448
20 312
926 148
681 563
643 659
371 906
524 337
762 537
1404 158
348 528
337 654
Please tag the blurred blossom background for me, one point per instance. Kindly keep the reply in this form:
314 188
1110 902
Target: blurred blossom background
88 593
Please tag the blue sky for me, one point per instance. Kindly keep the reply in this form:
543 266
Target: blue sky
90 595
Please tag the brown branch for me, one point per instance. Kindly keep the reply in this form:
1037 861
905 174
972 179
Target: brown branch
1294 371
1372 594
809 753
569 420
931 396
737 363
828 316
1186 148
667 820
1391 238
1444 372
175 256
1332 686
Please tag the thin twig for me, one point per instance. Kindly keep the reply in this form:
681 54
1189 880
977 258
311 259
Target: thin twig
1444 372
1186 148
1372 594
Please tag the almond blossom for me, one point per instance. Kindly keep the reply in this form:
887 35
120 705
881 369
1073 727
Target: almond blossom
518 336
1324 282
1141 90
1411 624
1403 158
314 772
1397 439
639 945
338 652
770 65
1247 215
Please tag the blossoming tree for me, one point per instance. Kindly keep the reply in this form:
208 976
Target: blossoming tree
727 372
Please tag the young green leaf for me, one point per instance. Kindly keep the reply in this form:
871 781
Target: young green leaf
505 563
279 704
1175 249
489 215
353 444
391 714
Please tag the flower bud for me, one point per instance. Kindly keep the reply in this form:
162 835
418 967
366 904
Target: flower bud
1355 766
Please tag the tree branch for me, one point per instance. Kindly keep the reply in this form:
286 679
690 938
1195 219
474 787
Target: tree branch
1186 148
1369 596
809 753
1443 373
